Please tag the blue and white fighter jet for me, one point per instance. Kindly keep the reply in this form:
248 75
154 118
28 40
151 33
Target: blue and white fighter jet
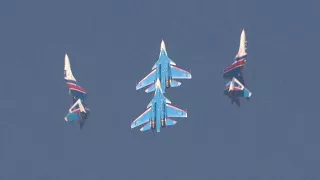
166 71
159 112
79 110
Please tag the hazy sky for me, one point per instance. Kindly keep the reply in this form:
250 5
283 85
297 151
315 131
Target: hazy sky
112 44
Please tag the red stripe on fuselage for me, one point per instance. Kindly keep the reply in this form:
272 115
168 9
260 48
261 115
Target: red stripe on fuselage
235 65
76 88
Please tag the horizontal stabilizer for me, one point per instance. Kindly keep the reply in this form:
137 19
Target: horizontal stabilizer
178 73
151 88
146 127
175 83
170 122
143 118
146 81
247 93
72 117
173 111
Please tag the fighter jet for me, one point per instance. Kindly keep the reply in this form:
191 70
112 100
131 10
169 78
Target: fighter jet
235 69
158 112
235 90
79 110
165 70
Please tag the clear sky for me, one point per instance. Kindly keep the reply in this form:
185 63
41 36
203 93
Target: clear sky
112 44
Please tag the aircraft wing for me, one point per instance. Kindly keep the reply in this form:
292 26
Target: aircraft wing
142 119
146 127
149 79
178 73
173 111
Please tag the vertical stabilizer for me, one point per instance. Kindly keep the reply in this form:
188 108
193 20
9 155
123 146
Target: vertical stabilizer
239 84
231 85
67 69
82 109
243 45
77 106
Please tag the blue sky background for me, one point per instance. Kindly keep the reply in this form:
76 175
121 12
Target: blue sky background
113 44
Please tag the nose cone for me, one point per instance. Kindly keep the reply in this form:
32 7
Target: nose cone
66 62
243 31
158 86
163 46
247 93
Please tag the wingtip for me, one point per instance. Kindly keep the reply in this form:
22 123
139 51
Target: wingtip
147 90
